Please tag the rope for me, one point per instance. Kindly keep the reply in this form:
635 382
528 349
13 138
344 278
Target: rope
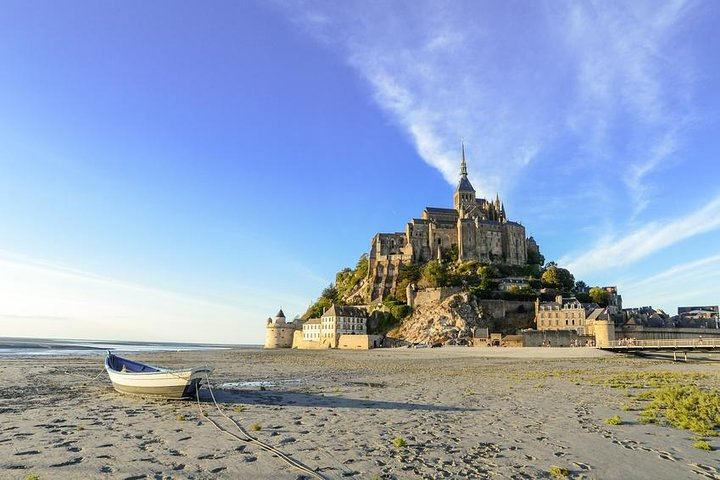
250 439
87 377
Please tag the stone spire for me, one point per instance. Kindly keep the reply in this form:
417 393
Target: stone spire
464 193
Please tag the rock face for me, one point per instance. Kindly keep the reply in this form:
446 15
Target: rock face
455 318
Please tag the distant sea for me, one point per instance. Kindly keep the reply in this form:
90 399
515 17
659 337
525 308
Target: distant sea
43 346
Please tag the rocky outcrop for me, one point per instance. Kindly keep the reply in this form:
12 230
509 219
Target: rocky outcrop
454 319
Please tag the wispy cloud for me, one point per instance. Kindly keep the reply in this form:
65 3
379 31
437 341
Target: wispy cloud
699 268
634 88
614 251
513 82
440 71
685 284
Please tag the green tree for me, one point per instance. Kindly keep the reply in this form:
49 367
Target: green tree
330 292
583 298
558 278
599 296
434 274
580 286
407 273
361 269
450 255
535 258
317 308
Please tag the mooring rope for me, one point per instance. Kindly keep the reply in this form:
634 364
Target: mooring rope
250 439
87 377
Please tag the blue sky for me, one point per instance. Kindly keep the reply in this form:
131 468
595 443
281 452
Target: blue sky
177 171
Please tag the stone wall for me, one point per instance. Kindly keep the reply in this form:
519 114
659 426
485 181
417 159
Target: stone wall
359 342
513 341
302 344
649 333
430 296
557 338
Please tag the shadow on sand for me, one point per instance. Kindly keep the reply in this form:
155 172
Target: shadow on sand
300 399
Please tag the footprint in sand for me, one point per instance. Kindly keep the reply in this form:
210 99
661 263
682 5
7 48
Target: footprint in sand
28 452
666 456
73 461
13 466
210 456
705 470
582 466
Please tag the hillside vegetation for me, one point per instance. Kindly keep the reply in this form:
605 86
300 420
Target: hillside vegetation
479 279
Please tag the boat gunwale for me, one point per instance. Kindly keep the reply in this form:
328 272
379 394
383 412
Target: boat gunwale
159 370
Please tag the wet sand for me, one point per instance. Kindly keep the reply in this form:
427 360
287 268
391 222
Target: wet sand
463 412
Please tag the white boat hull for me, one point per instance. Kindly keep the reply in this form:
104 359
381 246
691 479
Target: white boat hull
166 384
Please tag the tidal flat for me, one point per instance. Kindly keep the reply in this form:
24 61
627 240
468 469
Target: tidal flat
452 412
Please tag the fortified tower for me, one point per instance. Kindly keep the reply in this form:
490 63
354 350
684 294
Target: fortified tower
279 333
604 332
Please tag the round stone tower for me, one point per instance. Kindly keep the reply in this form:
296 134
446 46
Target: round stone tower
604 332
279 333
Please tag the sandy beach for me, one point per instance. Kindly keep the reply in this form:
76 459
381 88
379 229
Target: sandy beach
462 413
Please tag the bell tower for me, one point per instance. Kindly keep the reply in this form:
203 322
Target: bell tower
464 197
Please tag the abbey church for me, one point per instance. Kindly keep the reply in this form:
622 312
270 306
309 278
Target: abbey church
477 227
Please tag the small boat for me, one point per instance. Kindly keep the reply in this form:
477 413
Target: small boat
138 378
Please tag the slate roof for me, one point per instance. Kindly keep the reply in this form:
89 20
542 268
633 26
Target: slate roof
280 314
345 311
598 314
465 184
441 210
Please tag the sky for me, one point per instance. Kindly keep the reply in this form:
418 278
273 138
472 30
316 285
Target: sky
179 171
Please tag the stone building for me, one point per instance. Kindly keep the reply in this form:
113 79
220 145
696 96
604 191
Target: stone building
343 320
335 322
311 330
705 316
478 228
569 314
279 333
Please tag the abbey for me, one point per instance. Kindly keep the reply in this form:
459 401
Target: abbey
476 227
